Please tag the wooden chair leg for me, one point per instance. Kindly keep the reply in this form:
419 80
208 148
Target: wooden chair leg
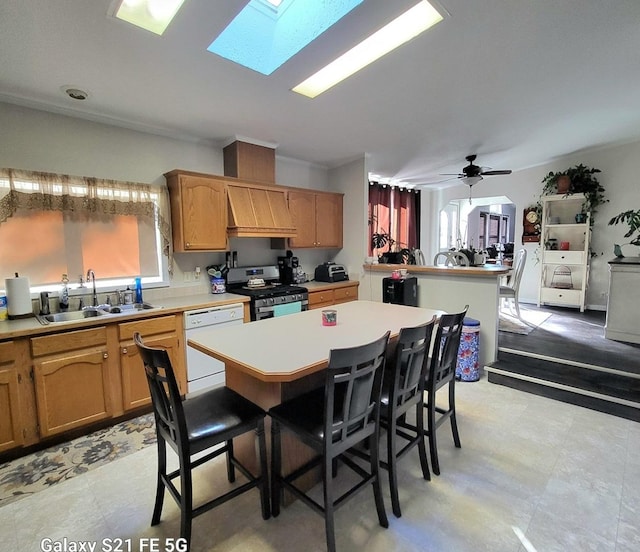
231 470
276 460
186 499
422 448
377 487
454 421
431 429
393 467
327 486
162 472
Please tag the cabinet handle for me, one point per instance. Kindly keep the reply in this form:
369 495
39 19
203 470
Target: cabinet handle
105 355
124 350
187 244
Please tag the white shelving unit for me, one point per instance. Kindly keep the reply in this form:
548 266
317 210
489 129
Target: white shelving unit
564 275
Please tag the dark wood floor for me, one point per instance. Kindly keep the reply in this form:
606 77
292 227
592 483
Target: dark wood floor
571 335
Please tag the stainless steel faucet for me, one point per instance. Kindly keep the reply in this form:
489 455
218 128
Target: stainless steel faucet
92 275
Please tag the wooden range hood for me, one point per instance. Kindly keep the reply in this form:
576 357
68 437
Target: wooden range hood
257 206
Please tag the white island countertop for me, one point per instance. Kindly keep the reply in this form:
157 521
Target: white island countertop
287 348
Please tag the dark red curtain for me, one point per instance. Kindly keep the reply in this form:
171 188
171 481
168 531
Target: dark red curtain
394 211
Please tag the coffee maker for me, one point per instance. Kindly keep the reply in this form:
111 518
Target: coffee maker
287 266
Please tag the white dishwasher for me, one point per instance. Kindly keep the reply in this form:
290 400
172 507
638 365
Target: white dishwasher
203 370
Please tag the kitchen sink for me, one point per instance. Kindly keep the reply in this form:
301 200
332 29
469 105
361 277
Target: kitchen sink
87 313
70 316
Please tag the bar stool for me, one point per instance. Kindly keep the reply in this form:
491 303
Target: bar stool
331 420
191 426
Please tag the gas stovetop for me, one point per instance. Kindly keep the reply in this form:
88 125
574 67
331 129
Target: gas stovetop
269 290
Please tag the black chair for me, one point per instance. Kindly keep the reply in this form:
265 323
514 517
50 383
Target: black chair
193 425
402 390
442 371
331 420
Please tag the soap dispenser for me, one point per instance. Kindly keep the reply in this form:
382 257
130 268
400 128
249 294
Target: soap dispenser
64 294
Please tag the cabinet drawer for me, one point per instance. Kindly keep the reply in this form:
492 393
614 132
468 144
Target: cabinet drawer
342 295
7 352
148 326
560 296
69 341
320 298
564 257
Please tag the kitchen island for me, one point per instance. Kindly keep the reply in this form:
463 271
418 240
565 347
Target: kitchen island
450 289
272 360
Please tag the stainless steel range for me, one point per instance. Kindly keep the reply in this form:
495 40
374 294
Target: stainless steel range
269 297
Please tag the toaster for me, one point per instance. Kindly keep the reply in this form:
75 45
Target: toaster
331 272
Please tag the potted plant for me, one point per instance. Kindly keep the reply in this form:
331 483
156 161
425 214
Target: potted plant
581 181
632 218
556 183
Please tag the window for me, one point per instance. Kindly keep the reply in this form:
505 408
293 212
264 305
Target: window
493 228
394 213
57 224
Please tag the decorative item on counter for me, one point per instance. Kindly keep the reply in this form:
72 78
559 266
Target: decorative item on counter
18 297
632 218
4 314
138 286
329 317
395 274
217 275
64 294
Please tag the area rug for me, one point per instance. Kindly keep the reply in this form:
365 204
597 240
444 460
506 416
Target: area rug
531 319
38 471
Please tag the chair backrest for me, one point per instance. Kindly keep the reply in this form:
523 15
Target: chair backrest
352 393
444 352
410 366
443 257
518 269
459 259
165 394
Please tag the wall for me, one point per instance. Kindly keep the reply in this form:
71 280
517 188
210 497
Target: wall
41 141
619 178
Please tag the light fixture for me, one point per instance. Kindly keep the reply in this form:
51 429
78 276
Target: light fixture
402 29
470 181
152 15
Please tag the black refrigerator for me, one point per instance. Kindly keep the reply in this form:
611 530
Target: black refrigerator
400 291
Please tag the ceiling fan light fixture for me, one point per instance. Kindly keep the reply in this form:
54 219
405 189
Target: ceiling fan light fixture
471 180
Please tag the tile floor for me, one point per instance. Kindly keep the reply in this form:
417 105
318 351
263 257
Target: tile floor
562 477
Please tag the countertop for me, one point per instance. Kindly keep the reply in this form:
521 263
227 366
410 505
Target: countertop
306 341
625 261
484 270
169 305
10 329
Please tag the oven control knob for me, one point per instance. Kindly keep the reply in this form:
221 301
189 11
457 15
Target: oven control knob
270 300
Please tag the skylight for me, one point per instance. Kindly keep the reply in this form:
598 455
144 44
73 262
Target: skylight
152 15
266 33
402 29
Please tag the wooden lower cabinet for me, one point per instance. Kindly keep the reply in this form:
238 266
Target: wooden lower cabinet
71 376
11 430
334 296
68 380
159 332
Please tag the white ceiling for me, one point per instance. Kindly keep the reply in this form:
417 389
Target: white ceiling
519 82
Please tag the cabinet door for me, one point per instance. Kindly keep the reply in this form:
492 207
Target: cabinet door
345 294
72 390
10 423
302 206
320 299
135 390
202 224
328 220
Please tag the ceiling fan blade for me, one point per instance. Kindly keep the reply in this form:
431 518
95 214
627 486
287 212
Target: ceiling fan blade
493 173
459 175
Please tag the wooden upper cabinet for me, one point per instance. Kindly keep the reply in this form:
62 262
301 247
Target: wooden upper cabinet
317 217
198 212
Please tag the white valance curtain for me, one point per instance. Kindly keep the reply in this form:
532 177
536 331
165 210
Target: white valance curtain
31 190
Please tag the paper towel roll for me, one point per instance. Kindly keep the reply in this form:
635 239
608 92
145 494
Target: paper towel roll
18 297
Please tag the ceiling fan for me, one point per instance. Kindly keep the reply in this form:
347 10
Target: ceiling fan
472 174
